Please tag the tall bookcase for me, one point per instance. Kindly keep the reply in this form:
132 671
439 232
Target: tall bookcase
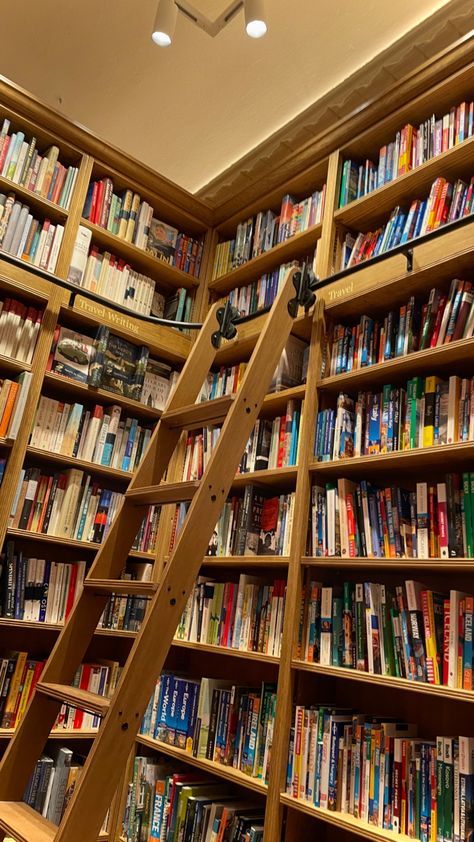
375 287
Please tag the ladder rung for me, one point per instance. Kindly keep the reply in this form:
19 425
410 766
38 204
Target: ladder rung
197 414
128 587
82 699
24 824
169 492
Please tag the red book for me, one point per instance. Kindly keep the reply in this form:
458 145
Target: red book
3 154
86 670
36 677
351 525
446 608
463 312
93 210
99 202
281 442
437 324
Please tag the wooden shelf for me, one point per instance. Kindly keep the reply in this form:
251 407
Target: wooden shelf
80 464
439 565
5 443
165 275
371 209
226 650
342 820
24 534
275 477
430 360
82 392
11 366
56 627
227 772
388 681
298 246
34 200
262 561
59 734
447 456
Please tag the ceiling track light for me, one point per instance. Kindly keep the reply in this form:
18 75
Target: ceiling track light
167 12
165 23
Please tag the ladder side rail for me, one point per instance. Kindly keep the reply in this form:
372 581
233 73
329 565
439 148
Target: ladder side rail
98 781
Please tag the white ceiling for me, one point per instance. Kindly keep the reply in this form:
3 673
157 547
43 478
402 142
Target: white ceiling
193 109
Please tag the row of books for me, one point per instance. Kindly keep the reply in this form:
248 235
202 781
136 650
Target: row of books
360 519
167 806
416 326
19 329
256 523
247 615
24 236
377 770
111 363
100 678
126 613
67 504
13 395
38 590
412 147
96 435
260 294
53 782
114 278
19 675
446 203
131 218
22 163
407 631
428 411
214 719
266 230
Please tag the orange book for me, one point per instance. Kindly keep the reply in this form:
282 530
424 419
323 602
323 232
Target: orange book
434 201
9 406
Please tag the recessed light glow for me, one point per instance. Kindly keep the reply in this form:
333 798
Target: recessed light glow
161 38
255 24
256 28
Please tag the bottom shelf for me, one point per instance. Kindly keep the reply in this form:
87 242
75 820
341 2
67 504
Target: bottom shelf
226 772
342 820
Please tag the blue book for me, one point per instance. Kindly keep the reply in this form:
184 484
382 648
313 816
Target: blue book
337 732
129 446
162 714
44 594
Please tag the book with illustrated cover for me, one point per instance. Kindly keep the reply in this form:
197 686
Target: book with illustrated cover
118 366
162 240
156 385
72 354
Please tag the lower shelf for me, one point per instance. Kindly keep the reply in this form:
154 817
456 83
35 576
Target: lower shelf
226 772
342 820
74 734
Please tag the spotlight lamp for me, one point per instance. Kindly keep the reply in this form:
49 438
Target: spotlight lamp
165 23
167 13
255 25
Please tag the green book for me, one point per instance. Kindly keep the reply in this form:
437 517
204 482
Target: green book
467 500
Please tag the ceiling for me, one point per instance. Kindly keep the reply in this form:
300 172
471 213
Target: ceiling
192 110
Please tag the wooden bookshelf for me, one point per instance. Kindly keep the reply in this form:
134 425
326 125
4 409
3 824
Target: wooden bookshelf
12 367
37 203
85 546
452 455
257 561
440 565
227 650
227 773
297 246
341 821
82 392
37 454
167 277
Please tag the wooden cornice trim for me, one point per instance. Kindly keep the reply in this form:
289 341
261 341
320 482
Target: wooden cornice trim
83 140
427 54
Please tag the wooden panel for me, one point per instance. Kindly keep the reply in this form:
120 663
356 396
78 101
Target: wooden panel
25 824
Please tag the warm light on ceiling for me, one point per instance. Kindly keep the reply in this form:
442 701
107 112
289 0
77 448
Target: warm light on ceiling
165 23
255 25
167 13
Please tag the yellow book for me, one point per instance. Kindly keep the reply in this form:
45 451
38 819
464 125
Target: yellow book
429 417
10 705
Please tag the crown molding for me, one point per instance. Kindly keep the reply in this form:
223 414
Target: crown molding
440 45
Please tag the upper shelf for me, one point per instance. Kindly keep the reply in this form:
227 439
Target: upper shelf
372 208
34 200
291 249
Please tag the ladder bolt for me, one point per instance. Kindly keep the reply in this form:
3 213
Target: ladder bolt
213 498
172 601
247 409
125 726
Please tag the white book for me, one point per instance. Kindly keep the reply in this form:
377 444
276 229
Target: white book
19 408
85 427
40 570
11 226
422 527
99 448
56 245
454 395
53 574
48 243
41 243
454 600
20 162
18 250
66 412
326 626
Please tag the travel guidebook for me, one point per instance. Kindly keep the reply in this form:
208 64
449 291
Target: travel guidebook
162 240
118 365
71 354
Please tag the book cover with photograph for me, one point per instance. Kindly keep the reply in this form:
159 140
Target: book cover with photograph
72 354
162 240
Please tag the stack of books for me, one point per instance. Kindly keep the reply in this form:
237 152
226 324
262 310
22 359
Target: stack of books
428 411
445 317
214 719
166 805
97 435
53 781
258 523
247 615
361 519
38 590
446 203
125 613
407 630
145 542
261 233
24 236
260 294
131 218
377 770
411 148
13 396
21 162
19 675
19 329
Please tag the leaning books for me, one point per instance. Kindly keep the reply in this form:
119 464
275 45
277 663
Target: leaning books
71 354
118 365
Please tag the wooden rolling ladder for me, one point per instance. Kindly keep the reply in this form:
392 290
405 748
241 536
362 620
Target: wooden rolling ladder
122 714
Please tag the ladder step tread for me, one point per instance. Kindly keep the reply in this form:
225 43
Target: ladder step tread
166 492
24 824
196 414
82 699
128 587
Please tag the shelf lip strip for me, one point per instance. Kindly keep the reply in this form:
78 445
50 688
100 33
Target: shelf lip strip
344 821
388 681
379 460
